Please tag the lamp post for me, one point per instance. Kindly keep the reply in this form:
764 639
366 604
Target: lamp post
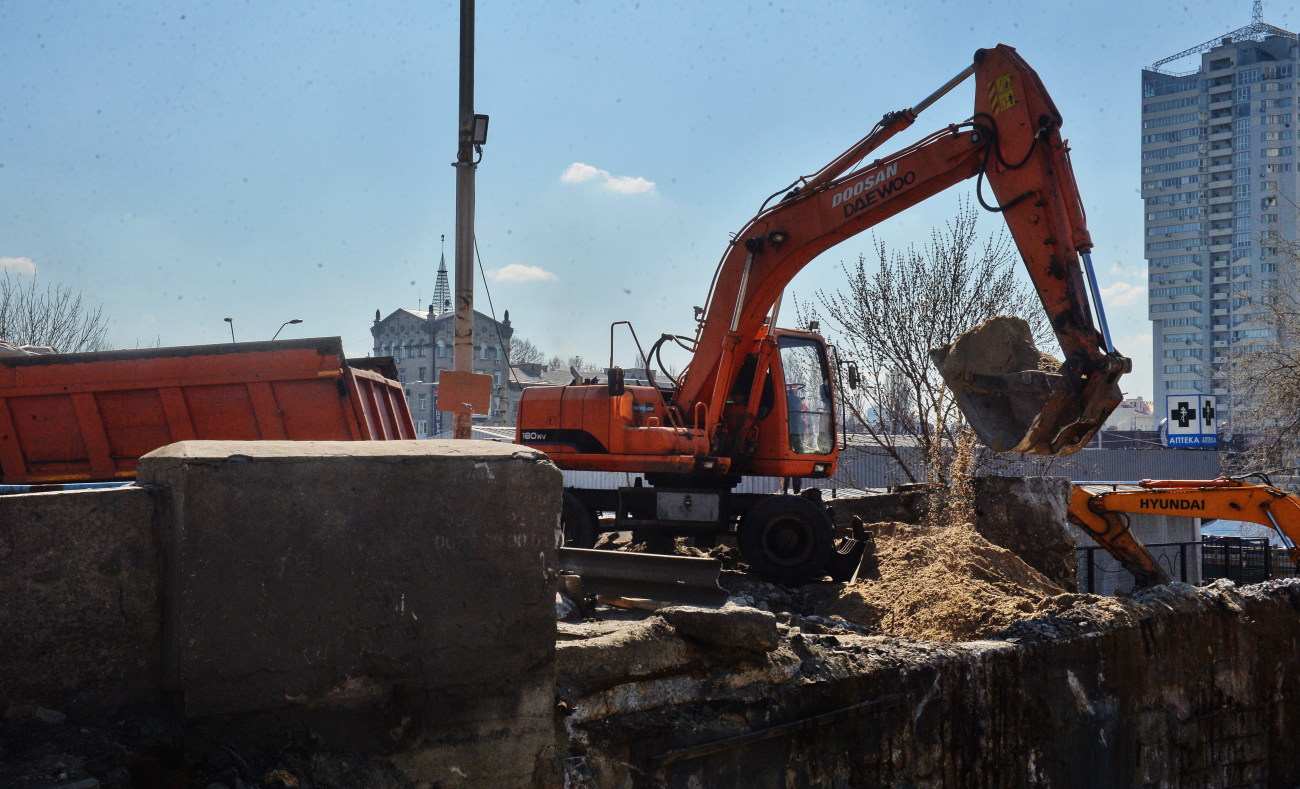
231 321
282 325
472 135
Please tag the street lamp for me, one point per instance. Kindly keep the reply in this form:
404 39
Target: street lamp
231 321
282 325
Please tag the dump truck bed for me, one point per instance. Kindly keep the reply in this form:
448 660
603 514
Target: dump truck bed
90 416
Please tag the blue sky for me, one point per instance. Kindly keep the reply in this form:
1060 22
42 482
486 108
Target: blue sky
186 162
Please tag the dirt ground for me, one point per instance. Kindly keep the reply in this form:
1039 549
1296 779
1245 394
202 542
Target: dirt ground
930 583
940 584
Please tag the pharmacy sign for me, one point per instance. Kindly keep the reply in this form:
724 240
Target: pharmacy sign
1191 421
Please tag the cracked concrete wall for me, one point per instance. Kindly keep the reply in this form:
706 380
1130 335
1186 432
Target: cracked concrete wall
79 599
1177 687
395 597
414 579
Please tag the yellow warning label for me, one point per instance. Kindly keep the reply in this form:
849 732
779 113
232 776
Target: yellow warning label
1001 96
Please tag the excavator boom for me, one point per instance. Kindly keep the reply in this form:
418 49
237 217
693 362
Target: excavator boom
1012 141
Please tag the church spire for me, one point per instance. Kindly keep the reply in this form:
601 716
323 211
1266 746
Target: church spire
442 291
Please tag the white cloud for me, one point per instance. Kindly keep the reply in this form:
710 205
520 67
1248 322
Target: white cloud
629 185
18 266
1122 294
622 184
516 272
579 172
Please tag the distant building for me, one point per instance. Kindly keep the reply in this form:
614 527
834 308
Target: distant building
422 345
1220 175
1132 414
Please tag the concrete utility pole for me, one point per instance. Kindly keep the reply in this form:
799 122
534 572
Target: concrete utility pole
463 349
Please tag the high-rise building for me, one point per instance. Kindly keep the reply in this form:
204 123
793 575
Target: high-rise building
1220 173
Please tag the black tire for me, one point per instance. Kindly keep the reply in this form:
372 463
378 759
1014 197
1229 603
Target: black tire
787 539
578 523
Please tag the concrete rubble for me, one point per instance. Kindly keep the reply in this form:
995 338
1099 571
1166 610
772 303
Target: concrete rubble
646 703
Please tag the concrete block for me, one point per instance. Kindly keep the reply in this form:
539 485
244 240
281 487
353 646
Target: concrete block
1027 516
733 628
415 578
79 581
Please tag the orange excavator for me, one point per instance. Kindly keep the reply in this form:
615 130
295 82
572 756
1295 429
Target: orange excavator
1101 510
758 400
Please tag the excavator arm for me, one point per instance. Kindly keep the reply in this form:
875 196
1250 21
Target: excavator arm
1100 512
1012 141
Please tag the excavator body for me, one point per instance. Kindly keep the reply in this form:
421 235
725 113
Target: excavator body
755 399
789 431
1101 511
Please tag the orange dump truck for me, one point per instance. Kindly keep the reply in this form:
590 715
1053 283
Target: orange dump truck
90 416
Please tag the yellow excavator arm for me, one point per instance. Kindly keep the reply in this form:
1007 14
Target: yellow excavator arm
1101 511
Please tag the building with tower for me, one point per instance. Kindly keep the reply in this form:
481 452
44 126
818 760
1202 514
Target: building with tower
421 343
1219 184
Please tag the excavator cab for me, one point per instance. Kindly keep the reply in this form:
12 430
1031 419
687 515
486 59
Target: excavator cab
810 413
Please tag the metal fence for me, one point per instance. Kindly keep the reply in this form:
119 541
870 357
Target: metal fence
868 467
864 468
1242 560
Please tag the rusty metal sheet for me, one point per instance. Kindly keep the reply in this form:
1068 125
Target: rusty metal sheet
463 392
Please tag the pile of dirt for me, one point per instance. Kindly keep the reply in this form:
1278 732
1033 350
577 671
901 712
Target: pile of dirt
940 584
1000 345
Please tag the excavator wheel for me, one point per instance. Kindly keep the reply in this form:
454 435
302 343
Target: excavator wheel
578 523
787 539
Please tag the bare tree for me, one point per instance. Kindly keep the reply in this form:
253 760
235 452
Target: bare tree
1264 371
576 362
524 352
54 315
887 321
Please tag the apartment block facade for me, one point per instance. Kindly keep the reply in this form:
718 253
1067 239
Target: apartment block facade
1220 174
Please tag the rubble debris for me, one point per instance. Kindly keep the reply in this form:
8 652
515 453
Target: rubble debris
9 349
637 651
1002 344
592 628
1073 615
746 590
729 627
48 716
566 609
632 603
725 552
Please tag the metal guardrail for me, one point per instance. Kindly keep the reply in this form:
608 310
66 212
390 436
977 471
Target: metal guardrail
683 579
1242 560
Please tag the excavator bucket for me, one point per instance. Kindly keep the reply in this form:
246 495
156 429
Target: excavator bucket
1018 399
